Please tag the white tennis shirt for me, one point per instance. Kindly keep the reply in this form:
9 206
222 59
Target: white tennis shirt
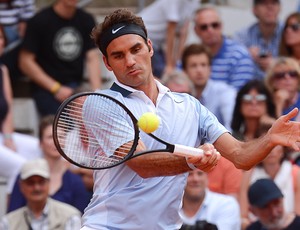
124 200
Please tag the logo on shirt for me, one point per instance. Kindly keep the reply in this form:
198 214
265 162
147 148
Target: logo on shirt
68 43
116 30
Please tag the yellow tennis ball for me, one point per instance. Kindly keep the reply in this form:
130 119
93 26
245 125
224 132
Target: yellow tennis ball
148 122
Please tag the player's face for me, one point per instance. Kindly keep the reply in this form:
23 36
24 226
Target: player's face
196 184
208 27
271 216
129 57
198 69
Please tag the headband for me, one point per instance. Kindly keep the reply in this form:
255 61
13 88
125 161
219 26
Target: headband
118 30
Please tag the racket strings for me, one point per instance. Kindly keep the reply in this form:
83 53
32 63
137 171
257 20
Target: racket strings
92 137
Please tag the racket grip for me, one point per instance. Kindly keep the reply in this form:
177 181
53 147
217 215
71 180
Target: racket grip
186 151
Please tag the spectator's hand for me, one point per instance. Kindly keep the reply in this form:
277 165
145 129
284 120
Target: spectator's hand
209 159
264 62
63 93
280 98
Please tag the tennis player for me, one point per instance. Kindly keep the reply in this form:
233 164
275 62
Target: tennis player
146 192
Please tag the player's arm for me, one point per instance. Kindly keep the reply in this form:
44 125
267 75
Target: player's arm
167 164
245 155
93 68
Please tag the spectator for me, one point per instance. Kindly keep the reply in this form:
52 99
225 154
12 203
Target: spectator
15 148
253 106
283 81
199 203
179 82
231 62
290 39
217 96
262 38
266 202
167 22
277 167
53 54
64 185
40 212
14 15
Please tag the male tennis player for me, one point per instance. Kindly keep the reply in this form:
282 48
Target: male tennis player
146 192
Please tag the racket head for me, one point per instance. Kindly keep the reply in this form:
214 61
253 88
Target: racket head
95 131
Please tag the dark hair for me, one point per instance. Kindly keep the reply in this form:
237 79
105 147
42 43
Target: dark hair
116 17
237 118
195 49
44 123
200 225
285 50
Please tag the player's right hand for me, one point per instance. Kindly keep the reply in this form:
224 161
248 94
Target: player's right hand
208 160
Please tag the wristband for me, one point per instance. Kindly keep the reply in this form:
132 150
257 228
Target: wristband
192 166
55 88
7 136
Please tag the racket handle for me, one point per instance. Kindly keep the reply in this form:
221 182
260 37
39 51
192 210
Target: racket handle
186 151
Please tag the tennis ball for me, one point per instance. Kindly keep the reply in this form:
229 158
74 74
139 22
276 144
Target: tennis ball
148 122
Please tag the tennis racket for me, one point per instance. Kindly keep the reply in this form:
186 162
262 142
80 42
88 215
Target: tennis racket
96 131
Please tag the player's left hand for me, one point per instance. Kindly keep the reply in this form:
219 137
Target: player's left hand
208 161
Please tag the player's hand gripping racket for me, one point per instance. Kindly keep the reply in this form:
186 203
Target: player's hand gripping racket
96 131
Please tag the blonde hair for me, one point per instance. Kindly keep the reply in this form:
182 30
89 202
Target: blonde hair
291 62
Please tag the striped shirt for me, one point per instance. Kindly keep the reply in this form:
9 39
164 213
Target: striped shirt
232 64
252 36
14 11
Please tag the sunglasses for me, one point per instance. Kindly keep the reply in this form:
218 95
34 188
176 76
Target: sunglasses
250 98
295 27
281 75
213 25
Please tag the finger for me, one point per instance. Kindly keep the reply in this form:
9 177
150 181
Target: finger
290 115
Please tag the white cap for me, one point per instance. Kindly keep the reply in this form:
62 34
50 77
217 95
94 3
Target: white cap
37 167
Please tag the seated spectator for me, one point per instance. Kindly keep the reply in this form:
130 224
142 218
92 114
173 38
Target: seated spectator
266 203
200 204
40 212
53 55
231 61
283 81
65 186
262 37
167 23
15 148
275 166
290 38
253 106
217 96
178 81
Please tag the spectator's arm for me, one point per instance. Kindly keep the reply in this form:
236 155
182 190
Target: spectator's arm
93 68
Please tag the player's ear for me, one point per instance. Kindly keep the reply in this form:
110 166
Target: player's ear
105 60
150 47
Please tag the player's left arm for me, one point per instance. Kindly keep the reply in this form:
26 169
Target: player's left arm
245 155
93 68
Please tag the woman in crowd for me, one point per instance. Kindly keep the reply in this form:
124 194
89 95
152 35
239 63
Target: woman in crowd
253 106
283 81
65 186
289 45
15 148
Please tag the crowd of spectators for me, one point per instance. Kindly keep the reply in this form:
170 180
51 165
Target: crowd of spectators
247 80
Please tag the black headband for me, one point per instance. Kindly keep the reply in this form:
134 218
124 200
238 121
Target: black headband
118 30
